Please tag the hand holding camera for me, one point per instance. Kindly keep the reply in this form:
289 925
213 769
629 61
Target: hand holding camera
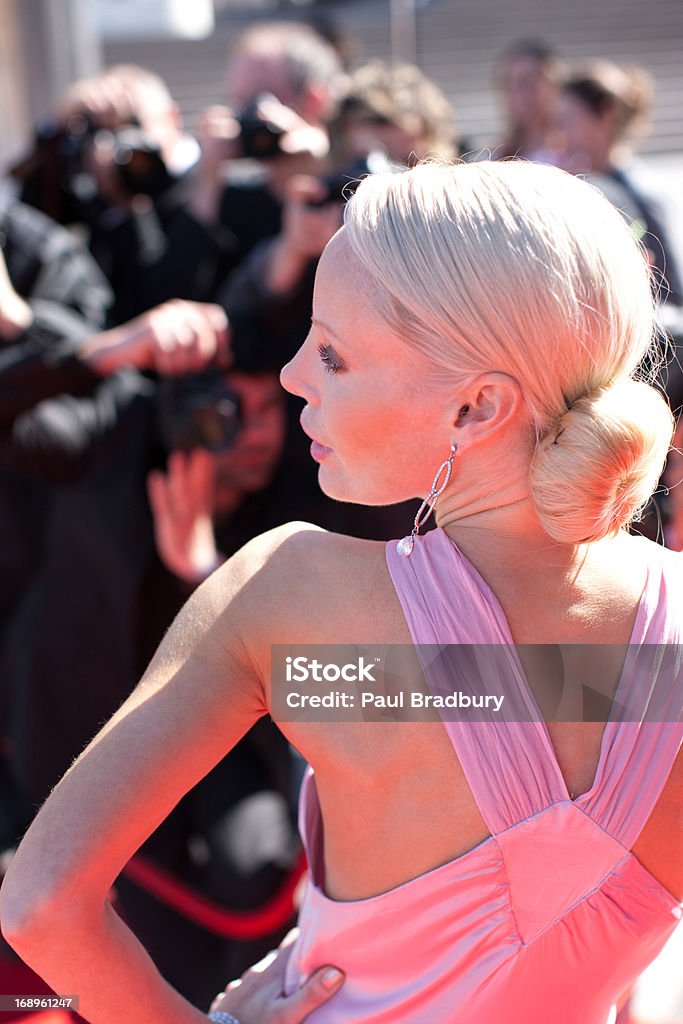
109 140
175 338
310 220
265 130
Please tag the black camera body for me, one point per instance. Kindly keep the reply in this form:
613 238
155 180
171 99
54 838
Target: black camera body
198 411
59 158
139 163
259 138
340 185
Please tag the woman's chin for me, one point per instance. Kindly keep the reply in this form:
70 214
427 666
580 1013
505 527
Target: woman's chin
352 492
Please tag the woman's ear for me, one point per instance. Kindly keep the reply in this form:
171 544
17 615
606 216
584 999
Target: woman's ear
493 402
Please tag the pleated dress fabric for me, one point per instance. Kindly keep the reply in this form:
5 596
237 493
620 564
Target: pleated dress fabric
551 917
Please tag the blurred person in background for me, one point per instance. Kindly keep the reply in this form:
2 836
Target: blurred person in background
673 478
393 114
115 160
51 295
45 445
601 107
397 109
233 839
93 449
157 243
527 77
284 82
113 577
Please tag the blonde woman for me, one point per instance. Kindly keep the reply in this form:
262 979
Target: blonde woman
476 332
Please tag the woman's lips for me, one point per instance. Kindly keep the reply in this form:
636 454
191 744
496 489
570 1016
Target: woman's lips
319 451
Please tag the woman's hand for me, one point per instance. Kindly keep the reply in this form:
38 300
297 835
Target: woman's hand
257 997
182 501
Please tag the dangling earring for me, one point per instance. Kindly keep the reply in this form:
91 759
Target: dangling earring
406 545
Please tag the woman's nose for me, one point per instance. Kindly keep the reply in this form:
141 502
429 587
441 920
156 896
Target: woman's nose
294 378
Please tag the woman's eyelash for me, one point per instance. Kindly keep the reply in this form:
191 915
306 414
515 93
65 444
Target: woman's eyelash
331 364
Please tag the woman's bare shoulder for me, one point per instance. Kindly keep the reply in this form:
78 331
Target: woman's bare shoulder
301 576
306 548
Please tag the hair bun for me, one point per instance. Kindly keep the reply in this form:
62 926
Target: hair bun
595 470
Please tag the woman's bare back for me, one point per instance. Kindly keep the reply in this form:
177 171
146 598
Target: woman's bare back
394 797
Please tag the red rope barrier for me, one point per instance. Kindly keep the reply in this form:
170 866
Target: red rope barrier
228 924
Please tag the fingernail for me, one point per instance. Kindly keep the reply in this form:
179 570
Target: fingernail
331 977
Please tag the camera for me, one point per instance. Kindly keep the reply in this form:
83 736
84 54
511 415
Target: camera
59 157
139 164
198 411
259 138
340 186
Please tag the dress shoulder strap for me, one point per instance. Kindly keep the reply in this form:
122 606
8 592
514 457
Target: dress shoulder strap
645 732
463 643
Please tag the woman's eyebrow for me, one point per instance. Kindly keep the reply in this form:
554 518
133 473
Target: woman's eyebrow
326 328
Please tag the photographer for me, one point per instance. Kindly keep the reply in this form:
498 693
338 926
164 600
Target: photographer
389 116
52 295
107 591
285 83
45 445
115 160
155 244
174 338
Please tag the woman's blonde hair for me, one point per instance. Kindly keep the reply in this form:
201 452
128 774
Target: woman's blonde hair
524 269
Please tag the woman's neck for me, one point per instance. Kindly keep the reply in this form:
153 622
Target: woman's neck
506 538
547 588
502 535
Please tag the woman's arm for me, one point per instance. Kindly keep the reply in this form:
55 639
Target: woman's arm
198 697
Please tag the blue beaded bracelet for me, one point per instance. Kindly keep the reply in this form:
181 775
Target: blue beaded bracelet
219 1017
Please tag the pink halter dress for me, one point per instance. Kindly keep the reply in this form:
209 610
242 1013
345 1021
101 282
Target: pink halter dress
551 917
